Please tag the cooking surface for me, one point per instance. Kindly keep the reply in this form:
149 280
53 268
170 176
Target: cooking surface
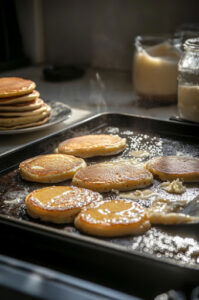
172 243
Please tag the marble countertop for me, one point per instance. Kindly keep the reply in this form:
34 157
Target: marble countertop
98 91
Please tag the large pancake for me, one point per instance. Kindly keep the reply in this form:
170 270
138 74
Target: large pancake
15 86
22 113
173 167
113 218
15 121
50 168
58 204
25 106
93 145
119 175
33 124
20 99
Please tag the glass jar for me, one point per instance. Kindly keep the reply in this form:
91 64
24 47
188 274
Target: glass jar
188 81
155 68
186 31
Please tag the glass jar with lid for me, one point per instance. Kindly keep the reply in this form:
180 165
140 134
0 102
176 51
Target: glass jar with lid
188 81
155 69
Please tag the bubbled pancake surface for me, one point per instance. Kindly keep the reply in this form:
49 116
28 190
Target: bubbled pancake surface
58 204
20 99
50 167
113 218
24 106
15 86
93 145
118 175
172 167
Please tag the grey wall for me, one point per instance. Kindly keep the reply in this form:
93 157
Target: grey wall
101 32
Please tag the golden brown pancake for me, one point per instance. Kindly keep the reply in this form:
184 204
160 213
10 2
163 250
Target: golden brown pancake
20 99
20 107
50 167
93 145
113 218
58 204
15 86
8 122
33 124
173 167
118 175
22 113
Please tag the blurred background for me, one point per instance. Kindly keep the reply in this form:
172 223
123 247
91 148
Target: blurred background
97 33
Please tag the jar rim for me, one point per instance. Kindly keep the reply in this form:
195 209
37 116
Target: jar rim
153 39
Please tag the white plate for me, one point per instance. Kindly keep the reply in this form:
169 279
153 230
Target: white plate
60 112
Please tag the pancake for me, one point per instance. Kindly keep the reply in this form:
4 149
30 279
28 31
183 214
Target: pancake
50 167
33 124
173 167
113 218
25 106
93 145
22 113
15 86
58 204
15 121
119 175
20 99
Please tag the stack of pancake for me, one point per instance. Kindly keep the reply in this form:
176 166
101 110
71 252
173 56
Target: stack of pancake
20 105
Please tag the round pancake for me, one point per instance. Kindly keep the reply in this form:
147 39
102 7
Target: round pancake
119 175
173 167
20 99
36 111
93 145
33 124
14 121
15 86
20 107
50 167
113 218
58 204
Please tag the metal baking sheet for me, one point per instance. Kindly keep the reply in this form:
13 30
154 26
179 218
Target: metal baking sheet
165 247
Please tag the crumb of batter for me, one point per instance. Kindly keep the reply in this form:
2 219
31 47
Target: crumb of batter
139 194
165 211
174 187
139 153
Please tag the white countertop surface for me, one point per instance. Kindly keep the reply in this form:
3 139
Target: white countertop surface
98 91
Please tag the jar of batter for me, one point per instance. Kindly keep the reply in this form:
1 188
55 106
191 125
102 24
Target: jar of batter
188 81
155 69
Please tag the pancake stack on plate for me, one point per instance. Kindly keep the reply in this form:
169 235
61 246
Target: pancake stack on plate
20 105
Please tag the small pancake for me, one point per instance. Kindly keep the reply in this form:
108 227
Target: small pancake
14 121
33 124
50 167
20 99
20 107
113 218
15 86
119 175
22 113
93 145
58 204
173 167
